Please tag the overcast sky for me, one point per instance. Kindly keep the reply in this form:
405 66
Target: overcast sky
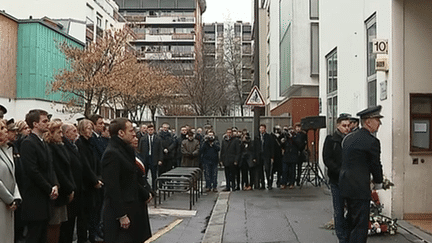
223 10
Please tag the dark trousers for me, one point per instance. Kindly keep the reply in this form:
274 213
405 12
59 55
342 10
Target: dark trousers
254 177
95 217
277 167
37 231
268 167
245 174
67 228
230 177
288 173
341 227
210 174
299 172
358 219
237 176
166 166
153 168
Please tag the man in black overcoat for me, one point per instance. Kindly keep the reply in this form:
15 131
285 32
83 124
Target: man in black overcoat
41 181
361 152
150 149
125 212
332 157
265 153
168 146
230 157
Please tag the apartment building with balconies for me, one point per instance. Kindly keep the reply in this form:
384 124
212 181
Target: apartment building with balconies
168 32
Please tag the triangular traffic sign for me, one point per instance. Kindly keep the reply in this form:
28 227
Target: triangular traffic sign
255 98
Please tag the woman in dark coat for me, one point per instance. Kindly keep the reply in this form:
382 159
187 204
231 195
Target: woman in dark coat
125 214
210 158
91 192
62 168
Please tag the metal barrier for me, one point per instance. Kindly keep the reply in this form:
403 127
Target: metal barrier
181 179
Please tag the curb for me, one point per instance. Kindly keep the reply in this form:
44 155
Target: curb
423 236
215 227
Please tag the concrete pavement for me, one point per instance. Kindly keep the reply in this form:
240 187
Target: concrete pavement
290 215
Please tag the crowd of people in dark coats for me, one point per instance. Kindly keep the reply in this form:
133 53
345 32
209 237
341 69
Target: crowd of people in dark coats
91 177
64 179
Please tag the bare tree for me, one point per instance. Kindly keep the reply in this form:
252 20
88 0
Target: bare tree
95 70
233 65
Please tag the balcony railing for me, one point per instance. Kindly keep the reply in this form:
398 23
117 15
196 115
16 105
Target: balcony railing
182 36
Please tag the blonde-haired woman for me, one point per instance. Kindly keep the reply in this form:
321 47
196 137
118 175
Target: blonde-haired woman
92 195
9 194
62 168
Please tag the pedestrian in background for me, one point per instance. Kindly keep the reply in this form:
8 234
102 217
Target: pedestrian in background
277 144
150 150
230 156
332 157
247 161
210 156
190 151
265 154
168 147
361 152
302 143
290 144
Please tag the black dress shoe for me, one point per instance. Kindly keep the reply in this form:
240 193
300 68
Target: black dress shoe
270 188
226 190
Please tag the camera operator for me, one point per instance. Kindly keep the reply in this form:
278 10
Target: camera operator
247 162
277 164
209 153
290 145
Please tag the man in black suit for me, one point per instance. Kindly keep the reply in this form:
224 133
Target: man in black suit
230 157
125 212
332 157
150 149
41 185
265 153
361 152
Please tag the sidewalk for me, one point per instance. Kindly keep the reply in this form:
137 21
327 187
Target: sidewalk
295 215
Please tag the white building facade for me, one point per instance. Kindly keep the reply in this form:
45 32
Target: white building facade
350 82
85 20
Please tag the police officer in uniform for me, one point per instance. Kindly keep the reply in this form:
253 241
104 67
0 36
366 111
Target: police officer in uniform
361 152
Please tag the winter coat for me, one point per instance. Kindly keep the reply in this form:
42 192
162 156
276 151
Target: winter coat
210 153
8 194
62 168
125 193
190 152
230 151
291 150
332 155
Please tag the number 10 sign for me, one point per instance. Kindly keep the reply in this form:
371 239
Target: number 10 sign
380 46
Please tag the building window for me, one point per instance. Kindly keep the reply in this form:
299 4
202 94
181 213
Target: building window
421 120
285 62
371 32
314 49
314 9
332 110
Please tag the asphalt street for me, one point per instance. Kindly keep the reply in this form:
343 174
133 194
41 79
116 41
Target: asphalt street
290 215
